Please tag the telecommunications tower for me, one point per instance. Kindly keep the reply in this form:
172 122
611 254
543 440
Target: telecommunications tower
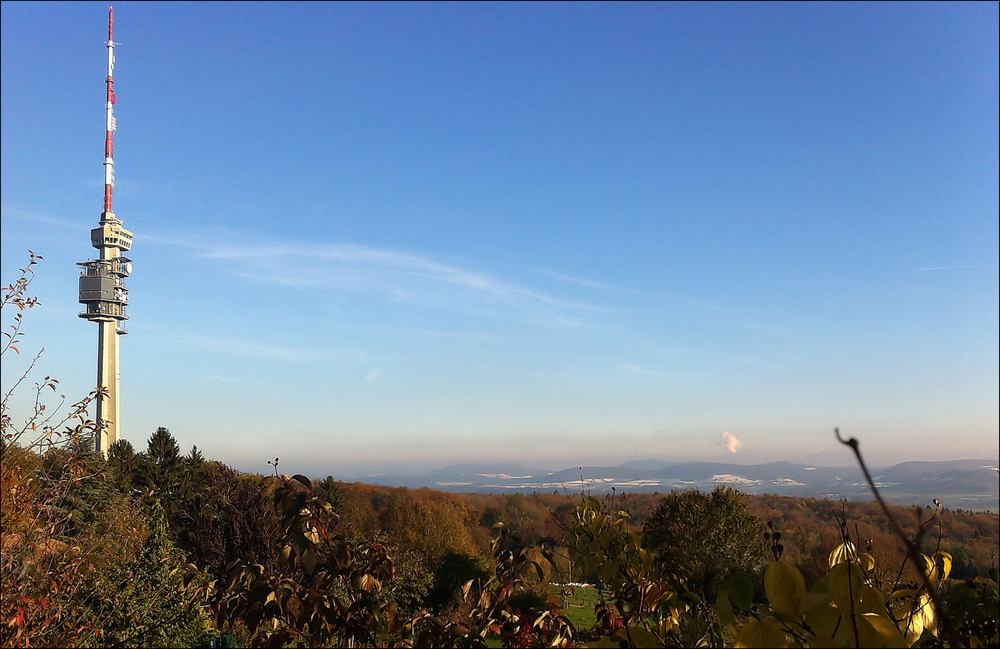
102 281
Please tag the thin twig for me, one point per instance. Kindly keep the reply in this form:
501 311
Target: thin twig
911 550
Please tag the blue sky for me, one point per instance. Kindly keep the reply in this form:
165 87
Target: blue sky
370 234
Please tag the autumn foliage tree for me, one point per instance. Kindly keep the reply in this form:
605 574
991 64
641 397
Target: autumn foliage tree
710 537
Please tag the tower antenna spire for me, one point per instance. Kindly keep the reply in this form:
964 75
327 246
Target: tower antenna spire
102 281
112 126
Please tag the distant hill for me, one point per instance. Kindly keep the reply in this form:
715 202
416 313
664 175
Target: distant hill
965 484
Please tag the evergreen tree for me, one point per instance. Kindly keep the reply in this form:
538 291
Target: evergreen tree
123 464
164 470
143 602
329 490
162 460
195 457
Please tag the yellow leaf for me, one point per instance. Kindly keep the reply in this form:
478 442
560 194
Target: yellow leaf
872 601
638 636
824 621
749 635
761 633
912 630
877 631
785 588
924 614
812 602
822 586
740 591
846 583
945 559
930 567
725 610
668 625
903 592
841 553
609 570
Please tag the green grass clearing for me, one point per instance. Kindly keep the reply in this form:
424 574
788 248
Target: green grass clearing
579 609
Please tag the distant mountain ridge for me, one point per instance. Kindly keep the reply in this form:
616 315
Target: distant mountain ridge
965 484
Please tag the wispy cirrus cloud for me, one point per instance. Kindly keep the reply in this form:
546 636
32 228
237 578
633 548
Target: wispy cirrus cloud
248 348
582 281
399 275
975 266
27 215
251 348
637 369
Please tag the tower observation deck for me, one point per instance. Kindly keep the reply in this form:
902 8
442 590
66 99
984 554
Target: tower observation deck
102 281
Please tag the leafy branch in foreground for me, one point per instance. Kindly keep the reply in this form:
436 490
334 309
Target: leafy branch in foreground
490 606
647 602
327 592
16 294
923 566
846 609
43 427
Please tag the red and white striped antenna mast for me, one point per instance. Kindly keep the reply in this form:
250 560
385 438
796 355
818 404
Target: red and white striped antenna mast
109 142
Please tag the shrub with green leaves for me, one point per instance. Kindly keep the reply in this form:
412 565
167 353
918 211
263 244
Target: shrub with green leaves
709 537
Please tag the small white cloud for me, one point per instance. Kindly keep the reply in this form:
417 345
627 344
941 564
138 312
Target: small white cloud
729 442
374 374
